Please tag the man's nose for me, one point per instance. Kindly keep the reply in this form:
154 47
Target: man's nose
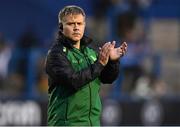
75 26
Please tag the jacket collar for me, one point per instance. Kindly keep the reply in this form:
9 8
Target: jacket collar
68 42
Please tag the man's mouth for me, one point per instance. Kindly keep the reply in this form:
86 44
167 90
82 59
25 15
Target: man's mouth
76 34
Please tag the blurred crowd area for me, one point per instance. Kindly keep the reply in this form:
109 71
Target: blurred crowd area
151 28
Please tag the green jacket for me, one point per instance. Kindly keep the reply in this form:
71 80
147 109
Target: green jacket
74 82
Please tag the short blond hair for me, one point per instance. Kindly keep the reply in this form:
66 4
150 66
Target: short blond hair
68 10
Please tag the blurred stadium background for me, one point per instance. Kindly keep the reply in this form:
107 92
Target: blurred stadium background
147 91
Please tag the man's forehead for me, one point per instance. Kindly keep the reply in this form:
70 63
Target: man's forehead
74 17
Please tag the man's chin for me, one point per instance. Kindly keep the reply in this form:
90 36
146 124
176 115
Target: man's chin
76 39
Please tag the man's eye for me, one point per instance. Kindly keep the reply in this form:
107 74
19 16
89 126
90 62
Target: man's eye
79 23
70 24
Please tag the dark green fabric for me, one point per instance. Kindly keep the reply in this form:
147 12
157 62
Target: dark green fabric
82 107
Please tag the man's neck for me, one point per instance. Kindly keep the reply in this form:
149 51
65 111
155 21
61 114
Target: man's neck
77 45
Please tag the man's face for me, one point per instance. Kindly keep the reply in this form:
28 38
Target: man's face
73 27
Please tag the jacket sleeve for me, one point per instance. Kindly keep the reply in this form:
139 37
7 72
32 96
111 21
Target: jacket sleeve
60 70
110 72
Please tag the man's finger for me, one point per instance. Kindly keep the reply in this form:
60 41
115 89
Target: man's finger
106 47
124 44
113 44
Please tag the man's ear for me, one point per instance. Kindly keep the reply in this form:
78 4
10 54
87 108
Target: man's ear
61 26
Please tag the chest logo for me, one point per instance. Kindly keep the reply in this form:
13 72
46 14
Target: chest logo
93 58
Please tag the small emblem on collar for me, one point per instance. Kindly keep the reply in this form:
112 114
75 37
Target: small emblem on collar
64 49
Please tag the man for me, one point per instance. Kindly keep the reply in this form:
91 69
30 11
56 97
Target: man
75 72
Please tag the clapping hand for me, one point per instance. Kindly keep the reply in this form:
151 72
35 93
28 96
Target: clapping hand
116 53
108 51
104 53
